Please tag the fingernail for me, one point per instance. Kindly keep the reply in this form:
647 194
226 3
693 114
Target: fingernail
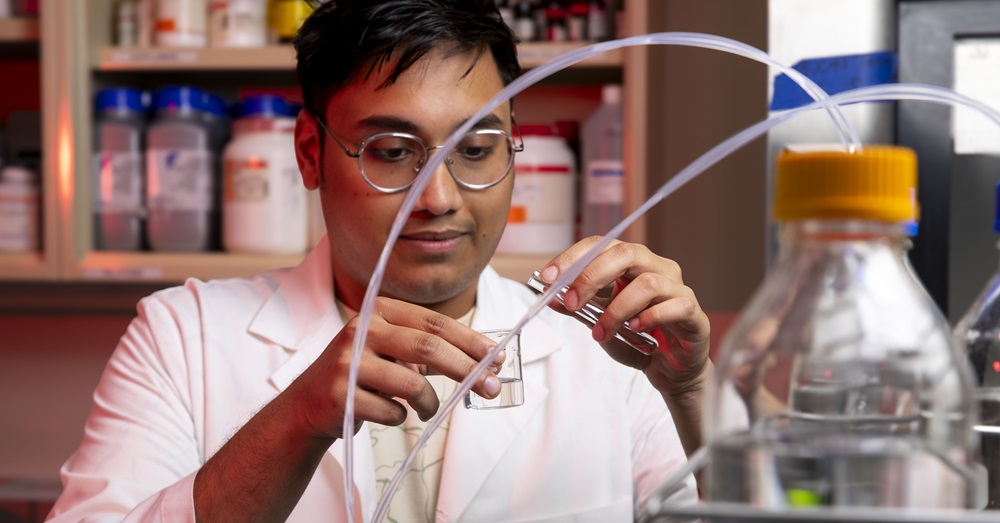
491 385
571 299
634 324
598 333
550 273
500 357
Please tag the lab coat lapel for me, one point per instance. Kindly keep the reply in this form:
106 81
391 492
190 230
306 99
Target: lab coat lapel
302 317
478 440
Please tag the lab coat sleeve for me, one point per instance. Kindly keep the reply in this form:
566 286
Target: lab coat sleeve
140 448
657 453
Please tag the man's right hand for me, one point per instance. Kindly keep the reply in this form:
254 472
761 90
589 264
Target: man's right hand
405 342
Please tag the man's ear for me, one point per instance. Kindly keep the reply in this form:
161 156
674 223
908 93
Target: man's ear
307 149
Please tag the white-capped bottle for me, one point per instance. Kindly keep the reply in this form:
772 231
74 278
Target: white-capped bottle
237 23
181 23
602 145
118 169
265 209
180 186
543 210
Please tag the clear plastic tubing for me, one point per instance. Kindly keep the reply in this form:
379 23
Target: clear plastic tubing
887 92
848 136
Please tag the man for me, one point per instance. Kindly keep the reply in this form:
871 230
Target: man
225 400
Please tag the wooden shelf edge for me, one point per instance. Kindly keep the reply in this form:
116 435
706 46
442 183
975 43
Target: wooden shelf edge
26 266
151 267
157 267
532 55
278 57
282 58
19 30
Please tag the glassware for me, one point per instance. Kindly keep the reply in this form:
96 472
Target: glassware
509 373
841 385
592 311
979 331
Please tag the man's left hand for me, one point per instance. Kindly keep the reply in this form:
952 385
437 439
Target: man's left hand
648 292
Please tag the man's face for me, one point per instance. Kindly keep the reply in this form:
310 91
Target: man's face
452 232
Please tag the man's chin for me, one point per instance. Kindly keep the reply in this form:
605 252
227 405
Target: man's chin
430 289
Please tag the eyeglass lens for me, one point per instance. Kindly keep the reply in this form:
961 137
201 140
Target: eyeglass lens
480 158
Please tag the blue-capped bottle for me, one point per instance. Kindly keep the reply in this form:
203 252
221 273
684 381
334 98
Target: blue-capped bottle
180 189
979 331
118 179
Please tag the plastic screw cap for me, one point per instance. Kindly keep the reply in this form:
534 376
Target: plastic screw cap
874 183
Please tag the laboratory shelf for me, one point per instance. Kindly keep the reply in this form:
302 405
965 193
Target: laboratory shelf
282 58
740 513
165 266
19 30
25 266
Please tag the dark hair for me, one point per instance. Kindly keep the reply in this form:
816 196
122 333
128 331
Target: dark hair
345 40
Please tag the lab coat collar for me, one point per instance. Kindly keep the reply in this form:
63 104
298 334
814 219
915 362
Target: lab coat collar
302 303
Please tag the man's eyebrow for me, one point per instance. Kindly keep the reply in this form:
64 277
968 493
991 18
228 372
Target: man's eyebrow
381 123
490 121
388 123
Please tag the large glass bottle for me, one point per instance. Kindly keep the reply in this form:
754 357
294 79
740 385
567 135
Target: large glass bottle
841 385
979 331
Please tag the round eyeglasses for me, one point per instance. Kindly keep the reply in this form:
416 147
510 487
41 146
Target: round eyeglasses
390 162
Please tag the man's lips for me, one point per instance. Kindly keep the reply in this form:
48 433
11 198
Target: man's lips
431 235
433 241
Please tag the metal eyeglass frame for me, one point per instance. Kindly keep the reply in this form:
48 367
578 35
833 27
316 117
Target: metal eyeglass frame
515 148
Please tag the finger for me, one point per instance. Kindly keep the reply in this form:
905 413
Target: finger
680 315
424 337
450 330
391 379
620 262
373 407
642 292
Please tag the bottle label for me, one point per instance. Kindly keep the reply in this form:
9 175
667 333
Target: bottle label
118 183
542 194
18 222
605 182
247 180
179 180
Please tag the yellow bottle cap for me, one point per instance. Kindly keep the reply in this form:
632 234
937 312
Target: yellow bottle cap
878 182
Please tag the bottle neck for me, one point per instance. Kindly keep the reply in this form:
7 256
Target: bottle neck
849 230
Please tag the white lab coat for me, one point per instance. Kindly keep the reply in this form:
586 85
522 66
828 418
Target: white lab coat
592 440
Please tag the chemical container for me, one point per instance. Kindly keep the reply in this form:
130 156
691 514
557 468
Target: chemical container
118 170
265 209
180 188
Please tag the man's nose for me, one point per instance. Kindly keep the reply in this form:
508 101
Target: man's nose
442 194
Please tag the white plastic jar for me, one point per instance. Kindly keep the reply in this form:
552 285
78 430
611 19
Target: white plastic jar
180 23
542 212
237 23
264 207
19 212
